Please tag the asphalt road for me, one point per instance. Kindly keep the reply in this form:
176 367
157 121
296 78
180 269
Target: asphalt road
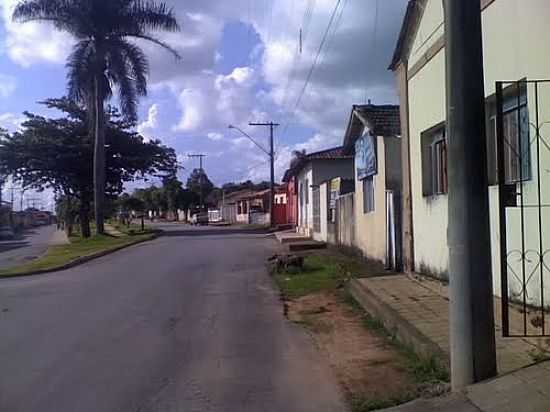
30 244
187 323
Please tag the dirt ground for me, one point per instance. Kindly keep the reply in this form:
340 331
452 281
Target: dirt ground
365 364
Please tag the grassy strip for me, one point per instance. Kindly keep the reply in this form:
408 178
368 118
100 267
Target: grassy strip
320 273
428 373
328 273
59 256
132 230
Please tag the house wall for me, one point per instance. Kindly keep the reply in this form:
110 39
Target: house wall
345 220
317 172
292 202
515 36
305 208
370 228
322 236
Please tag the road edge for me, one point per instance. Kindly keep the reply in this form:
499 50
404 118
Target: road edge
81 260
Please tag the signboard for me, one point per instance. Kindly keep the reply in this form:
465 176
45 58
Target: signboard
365 156
334 192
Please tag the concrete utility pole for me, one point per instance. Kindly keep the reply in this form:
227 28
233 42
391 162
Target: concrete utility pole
271 126
472 329
200 157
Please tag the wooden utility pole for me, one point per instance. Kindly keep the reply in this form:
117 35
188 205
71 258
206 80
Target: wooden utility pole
271 126
472 329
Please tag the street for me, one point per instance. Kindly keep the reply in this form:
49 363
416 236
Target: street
30 244
188 322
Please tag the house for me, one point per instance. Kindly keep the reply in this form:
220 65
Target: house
373 138
516 71
292 197
309 171
337 216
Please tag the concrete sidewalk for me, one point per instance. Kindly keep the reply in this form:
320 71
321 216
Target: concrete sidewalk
416 310
525 390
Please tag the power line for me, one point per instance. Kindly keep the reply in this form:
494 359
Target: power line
315 62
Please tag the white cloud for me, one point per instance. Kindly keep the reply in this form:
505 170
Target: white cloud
214 136
11 121
148 126
194 107
8 84
34 42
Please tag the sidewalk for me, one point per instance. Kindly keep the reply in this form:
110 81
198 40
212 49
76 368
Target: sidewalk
525 390
416 309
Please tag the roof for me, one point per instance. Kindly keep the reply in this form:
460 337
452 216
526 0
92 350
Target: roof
410 24
333 153
381 120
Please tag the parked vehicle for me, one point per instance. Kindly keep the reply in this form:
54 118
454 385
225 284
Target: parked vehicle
200 218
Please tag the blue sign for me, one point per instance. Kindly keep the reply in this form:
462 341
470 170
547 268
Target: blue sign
365 157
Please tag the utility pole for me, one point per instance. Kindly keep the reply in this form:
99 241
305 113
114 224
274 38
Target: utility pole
271 126
200 157
472 329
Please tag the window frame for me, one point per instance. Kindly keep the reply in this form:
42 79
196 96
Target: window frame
369 198
510 105
434 158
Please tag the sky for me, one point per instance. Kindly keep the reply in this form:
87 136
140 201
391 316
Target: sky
241 62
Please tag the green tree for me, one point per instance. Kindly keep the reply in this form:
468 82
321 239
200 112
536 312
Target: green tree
173 189
103 59
199 183
58 153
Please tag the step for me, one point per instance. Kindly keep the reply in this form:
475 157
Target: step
306 245
290 237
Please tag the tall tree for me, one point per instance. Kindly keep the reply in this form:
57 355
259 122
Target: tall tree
103 58
58 153
199 183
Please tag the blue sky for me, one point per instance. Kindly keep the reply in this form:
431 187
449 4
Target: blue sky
239 65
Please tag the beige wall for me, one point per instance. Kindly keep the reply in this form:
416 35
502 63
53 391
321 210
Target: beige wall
323 235
370 228
515 37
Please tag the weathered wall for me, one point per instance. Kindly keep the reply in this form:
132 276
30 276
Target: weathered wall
345 222
370 228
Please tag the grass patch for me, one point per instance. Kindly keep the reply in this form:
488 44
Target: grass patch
58 256
133 229
360 404
320 273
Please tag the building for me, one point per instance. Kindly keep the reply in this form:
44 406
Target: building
373 138
337 212
309 171
516 53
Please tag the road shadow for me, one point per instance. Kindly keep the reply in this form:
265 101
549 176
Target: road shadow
212 232
7 246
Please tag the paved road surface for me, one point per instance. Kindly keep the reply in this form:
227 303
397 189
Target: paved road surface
32 243
187 323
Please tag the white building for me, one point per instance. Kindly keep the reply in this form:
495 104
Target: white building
516 48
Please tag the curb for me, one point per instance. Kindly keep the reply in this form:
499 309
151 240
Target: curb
80 260
404 331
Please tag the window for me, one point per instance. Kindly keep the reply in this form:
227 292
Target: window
368 194
515 128
434 161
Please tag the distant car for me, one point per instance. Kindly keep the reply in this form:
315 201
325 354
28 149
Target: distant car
200 218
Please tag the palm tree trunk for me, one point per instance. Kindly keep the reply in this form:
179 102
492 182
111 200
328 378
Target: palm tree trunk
99 156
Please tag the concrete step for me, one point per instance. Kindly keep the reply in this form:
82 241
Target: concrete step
306 245
290 237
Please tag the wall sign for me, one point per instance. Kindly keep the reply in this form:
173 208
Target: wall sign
365 156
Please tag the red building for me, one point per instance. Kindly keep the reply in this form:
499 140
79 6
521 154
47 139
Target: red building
292 198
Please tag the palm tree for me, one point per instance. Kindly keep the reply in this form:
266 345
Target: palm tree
104 59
